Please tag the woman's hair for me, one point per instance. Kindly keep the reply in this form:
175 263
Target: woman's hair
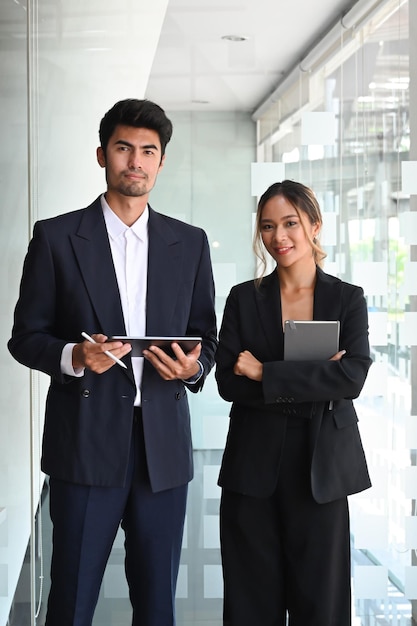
304 201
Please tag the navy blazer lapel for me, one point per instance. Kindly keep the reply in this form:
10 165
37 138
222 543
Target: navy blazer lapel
92 249
164 267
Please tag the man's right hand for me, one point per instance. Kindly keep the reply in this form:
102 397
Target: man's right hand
91 355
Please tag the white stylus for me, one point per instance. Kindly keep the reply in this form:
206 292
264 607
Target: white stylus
109 354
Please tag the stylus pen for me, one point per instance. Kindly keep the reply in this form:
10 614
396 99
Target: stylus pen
109 354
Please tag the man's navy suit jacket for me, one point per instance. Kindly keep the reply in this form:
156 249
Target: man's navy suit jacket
68 286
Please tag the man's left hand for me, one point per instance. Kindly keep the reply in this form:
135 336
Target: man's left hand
184 366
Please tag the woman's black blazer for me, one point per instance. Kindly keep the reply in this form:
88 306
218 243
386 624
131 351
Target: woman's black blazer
319 391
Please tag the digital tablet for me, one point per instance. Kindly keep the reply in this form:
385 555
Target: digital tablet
310 340
142 343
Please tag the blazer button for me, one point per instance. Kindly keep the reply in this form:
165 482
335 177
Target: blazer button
178 396
85 393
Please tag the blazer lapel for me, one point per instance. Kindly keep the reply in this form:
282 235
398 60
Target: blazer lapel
326 297
268 302
92 249
164 267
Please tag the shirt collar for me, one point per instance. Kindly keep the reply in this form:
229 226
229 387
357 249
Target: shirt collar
115 226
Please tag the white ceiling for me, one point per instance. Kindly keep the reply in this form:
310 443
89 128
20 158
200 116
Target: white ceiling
195 69
170 51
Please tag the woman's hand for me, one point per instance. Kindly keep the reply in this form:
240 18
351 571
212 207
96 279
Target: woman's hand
247 365
338 355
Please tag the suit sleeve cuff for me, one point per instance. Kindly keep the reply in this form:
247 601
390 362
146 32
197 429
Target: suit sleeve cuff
194 379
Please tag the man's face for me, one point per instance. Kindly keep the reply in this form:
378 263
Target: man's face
132 160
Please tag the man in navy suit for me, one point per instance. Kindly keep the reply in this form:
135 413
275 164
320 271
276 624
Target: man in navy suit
117 441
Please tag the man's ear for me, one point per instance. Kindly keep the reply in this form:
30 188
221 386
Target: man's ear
101 157
161 165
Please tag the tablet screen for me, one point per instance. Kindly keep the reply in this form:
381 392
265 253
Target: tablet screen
310 340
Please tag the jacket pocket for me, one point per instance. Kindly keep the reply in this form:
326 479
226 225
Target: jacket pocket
344 416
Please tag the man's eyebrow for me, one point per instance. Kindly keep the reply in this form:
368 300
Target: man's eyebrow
123 142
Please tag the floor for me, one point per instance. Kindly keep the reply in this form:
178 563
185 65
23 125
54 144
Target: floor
199 592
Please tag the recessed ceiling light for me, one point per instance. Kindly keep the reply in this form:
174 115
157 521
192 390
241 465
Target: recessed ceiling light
235 37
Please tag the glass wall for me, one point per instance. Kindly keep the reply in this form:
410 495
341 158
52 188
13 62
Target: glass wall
15 501
357 97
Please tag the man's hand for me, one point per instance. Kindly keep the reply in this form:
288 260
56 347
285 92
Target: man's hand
92 357
247 365
183 367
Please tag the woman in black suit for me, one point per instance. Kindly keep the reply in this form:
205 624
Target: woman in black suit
293 451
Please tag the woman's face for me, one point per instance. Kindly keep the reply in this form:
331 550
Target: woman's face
284 232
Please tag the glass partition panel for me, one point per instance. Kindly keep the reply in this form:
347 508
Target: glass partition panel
15 458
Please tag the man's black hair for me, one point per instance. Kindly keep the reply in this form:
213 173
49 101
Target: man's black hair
137 113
